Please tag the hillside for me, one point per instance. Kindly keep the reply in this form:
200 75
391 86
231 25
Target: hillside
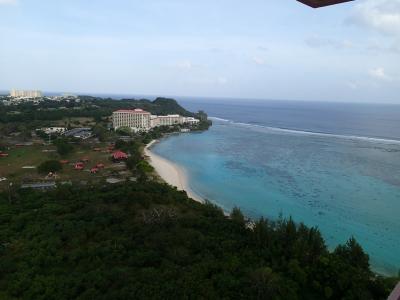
148 241
87 107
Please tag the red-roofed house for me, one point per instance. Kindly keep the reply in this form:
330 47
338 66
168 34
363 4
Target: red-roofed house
94 170
79 166
119 155
136 119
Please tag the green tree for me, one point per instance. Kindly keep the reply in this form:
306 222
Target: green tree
49 166
237 216
63 147
353 254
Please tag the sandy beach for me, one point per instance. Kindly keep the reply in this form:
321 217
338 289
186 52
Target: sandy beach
170 172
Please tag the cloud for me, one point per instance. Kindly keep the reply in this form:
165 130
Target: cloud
380 15
8 2
379 73
352 85
222 80
379 47
320 42
185 65
262 48
258 61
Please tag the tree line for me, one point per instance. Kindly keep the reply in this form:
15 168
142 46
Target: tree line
147 240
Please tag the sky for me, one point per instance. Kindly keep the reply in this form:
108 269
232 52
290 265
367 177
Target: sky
264 49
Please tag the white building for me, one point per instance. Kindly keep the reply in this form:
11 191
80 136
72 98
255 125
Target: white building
54 130
171 120
139 120
154 121
25 94
191 121
136 119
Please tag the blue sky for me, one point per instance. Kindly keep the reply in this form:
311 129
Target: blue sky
268 49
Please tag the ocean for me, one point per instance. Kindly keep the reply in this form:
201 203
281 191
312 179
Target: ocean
335 166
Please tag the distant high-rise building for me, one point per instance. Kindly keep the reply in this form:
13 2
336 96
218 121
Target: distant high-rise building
25 94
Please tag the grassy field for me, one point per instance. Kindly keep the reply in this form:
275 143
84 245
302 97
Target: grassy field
82 121
14 167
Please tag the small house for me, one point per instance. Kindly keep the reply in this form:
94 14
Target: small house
79 166
94 170
119 156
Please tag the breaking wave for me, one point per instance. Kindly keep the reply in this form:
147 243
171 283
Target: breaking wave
312 133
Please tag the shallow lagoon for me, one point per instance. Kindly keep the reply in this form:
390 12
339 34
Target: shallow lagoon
345 186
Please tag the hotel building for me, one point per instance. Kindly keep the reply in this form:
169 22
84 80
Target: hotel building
136 119
171 120
25 94
140 120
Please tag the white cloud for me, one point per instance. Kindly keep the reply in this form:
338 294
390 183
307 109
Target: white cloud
352 85
380 15
222 80
319 42
258 60
8 2
262 48
381 47
185 65
379 73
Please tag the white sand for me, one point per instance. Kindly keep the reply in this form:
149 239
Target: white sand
171 173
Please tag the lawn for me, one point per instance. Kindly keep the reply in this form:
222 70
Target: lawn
14 166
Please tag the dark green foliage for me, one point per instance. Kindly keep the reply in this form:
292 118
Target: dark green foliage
63 146
237 216
144 167
149 241
100 132
92 107
353 254
124 131
49 166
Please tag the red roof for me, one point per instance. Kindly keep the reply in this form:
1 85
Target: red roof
132 111
94 170
79 166
119 155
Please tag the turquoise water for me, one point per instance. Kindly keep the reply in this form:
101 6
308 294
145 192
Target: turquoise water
345 186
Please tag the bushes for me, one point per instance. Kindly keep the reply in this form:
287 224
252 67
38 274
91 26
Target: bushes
63 147
50 166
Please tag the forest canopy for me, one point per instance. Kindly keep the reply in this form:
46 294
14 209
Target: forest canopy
149 241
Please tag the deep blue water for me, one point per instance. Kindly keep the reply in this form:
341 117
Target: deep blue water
341 180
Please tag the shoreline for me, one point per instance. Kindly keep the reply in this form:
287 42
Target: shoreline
170 172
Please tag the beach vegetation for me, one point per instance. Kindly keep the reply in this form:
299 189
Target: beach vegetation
146 240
